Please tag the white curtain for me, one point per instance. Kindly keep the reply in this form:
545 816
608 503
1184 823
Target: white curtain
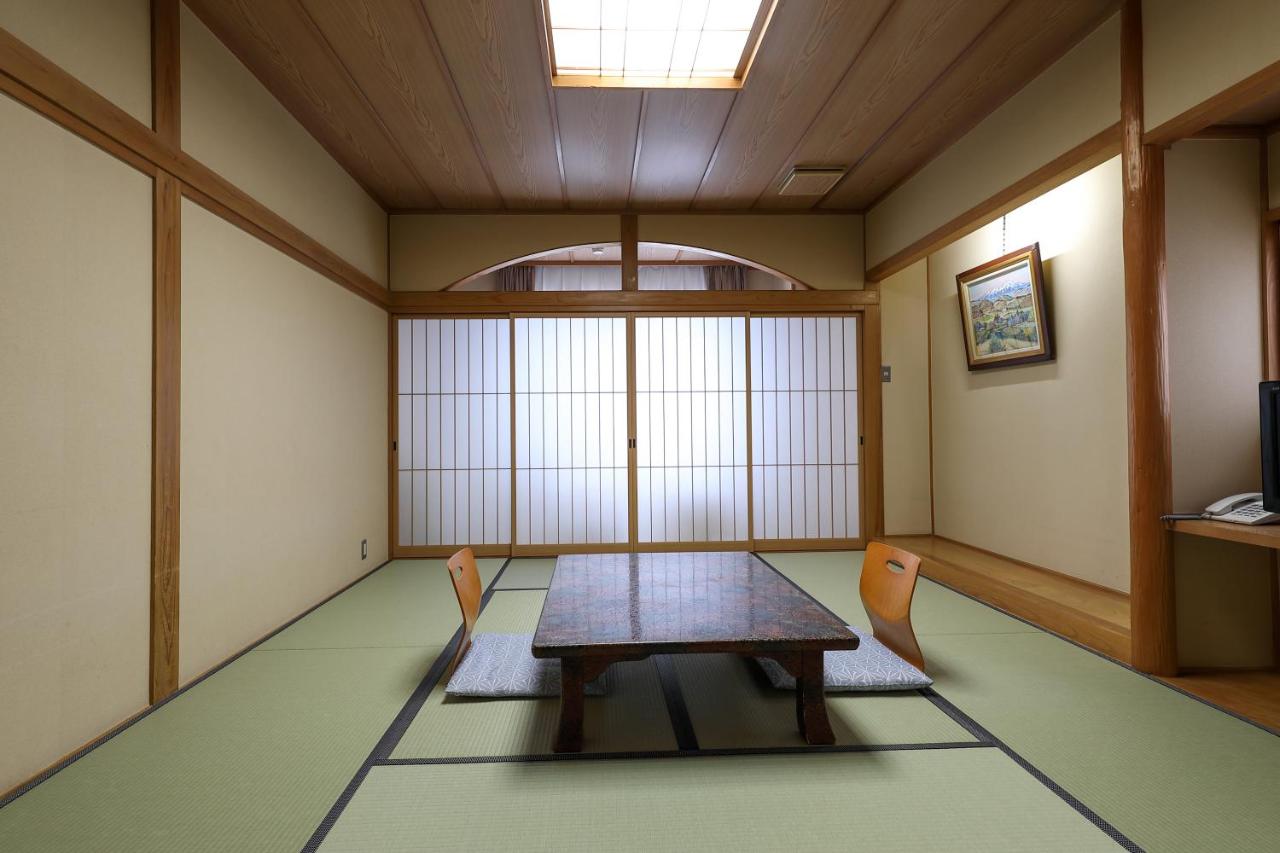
578 277
670 277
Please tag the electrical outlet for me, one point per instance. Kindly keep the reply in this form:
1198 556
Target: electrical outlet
364 549
886 373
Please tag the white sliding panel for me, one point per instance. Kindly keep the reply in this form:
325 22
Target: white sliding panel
454 443
804 427
571 430
691 425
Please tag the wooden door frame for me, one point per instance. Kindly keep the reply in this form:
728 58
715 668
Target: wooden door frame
863 305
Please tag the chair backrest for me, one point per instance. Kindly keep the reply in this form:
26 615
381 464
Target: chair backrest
888 583
466 585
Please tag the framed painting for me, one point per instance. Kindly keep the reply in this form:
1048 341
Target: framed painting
1003 314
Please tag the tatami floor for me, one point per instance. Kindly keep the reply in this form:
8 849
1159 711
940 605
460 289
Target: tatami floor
334 734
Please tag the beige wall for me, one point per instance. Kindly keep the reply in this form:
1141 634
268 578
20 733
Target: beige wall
1193 49
284 430
1031 462
1074 99
75 419
106 44
904 323
1215 362
434 251
822 251
233 125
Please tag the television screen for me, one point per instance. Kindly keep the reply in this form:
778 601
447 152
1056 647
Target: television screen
1268 400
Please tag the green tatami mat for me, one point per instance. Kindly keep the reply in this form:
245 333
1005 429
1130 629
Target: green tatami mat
733 706
955 800
631 718
528 572
512 612
251 759
1169 772
406 603
832 578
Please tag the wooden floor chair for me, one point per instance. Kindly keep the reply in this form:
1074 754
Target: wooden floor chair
887 586
888 659
496 665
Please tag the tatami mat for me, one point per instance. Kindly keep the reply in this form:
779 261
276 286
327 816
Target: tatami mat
406 603
512 612
957 800
1168 771
832 578
250 759
527 572
631 718
731 705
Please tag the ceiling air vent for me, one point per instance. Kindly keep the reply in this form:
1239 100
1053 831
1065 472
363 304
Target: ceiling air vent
802 181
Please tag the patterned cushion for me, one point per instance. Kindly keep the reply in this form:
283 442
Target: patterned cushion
869 667
503 665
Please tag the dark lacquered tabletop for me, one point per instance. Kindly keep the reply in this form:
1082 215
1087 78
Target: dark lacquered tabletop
677 602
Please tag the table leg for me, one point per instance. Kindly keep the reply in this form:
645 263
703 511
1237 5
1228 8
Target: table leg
811 704
569 735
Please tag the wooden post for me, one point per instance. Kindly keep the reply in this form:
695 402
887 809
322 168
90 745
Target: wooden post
630 252
166 114
1151 596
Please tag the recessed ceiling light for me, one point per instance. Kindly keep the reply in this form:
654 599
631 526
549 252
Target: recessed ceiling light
654 43
597 250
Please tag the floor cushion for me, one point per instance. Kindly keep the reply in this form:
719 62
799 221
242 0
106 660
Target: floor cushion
502 665
870 667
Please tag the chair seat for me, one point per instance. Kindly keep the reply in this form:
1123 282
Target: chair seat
502 665
870 667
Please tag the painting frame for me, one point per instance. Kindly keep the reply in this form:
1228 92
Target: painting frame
1038 341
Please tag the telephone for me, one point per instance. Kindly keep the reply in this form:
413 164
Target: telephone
1244 508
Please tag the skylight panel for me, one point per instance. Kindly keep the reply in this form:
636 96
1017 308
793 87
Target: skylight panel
654 43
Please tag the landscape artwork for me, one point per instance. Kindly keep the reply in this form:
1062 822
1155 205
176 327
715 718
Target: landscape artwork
1002 311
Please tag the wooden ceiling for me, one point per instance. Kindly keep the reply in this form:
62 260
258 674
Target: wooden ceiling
448 104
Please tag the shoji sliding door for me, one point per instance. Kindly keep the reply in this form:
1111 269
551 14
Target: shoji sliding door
454 444
805 435
691 429
513 433
571 431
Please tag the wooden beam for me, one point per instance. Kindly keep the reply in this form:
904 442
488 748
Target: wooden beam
464 302
166 377
1218 108
630 252
1151 599
166 71
871 389
1080 159
1229 131
62 98
1270 296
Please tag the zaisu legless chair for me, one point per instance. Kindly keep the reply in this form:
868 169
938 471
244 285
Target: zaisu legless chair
496 665
888 659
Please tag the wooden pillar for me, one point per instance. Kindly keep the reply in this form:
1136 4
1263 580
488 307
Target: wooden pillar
166 362
630 252
1151 601
872 424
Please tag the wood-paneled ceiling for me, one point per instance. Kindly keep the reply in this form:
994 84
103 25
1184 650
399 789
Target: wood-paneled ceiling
448 104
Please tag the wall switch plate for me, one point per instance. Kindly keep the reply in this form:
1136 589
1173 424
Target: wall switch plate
886 373
364 549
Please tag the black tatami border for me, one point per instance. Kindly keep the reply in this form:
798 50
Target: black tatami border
677 708
80 753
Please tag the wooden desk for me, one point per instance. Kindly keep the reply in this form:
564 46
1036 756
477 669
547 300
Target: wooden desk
606 608
1262 535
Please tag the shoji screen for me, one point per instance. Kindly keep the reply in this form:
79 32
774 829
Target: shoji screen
571 430
691 429
454 445
804 427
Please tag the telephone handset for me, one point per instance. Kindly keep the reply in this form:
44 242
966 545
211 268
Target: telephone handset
1244 508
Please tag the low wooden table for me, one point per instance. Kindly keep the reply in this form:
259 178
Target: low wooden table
606 608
